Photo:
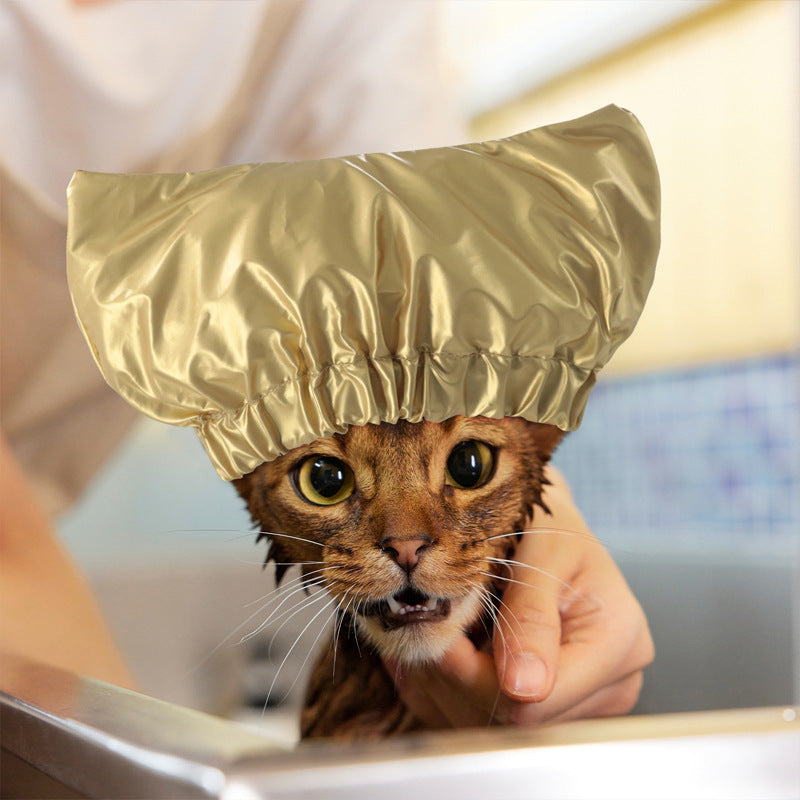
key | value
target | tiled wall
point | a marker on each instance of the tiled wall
(705, 455)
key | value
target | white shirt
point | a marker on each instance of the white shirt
(178, 85)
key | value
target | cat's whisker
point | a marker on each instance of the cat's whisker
(345, 611)
(508, 580)
(592, 602)
(484, 598)
(278, 588)
(305, 590)
(334, 580)
(568, 589)
(260, 563)
(303, 577)
(298, 608)
(275, 592)
(509, 617)
(271, 617)
(492, 611)
(353, 621)
(496, 611)
(334, 569)
(240, 533)
(531, 586)
(262, 608)
(249, 562)
(265, 600)
(505, 579)
(294, 584)
(282, 594)
(510, 562)
(565, 531)
(338, 625)
(233, 633)
(586, 535)
(341, 608)
(311, 649)
(260, 534)
(305, 607)
(328, 604)
(287, 615)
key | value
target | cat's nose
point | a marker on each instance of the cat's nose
(406, 553)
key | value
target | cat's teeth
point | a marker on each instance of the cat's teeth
(395, 606)
(400, 608)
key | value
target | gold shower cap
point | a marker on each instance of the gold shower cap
(272, 304)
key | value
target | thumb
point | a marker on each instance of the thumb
(527, 635)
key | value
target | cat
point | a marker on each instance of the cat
(407, 526)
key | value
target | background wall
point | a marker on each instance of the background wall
(717, 93)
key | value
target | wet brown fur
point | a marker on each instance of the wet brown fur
(400, 492)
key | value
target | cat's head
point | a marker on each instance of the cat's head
(404, 520)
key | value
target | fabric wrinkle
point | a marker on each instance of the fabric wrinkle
(273, 304)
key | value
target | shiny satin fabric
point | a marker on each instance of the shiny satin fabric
(272, 304)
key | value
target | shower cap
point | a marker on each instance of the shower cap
(269, 305)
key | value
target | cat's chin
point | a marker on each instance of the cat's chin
(420, 637)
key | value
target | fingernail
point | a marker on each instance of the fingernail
(526, 675)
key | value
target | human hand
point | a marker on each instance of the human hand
(571, 640)
(47, 610)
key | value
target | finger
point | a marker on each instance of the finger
(604, 643)
(413, 691)
(610, 701)
(462, 690)
(528, 628)
(591, 663)
(472, 697)
(459, 691)
(465, 684)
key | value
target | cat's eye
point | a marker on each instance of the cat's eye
(469, 465)
(324, 480)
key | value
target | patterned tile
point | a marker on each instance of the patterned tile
(708, 452)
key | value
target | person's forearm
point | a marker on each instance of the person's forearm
(47, 610)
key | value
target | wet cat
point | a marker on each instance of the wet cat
(406, 526)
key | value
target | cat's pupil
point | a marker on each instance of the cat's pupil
(327, 476)
(469, 464)
(324, 480)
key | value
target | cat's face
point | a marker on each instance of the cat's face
(405, 519)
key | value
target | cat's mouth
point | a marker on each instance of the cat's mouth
(408, 607)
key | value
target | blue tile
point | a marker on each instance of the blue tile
(711, 451)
